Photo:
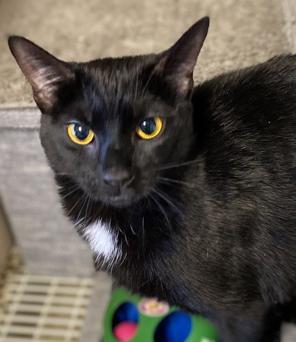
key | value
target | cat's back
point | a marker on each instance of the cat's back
(252, 108)
(246, 128)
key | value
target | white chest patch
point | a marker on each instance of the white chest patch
(103, 241)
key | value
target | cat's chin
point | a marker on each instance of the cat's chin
(124, 199)
(120, 201)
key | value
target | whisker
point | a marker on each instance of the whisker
(132, 230)
(78, 223)
(161, 194)
(74, 189)
(123, 233)
(162, 211)
(74, 206)
(123, 259)
(171, 166)
(172, 180)
(143, 231)
(88, 209)
(80, 213)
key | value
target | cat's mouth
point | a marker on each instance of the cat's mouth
(120, 201)
(125, 198)
(118, 197)
(121, 197)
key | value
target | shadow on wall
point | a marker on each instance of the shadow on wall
(5, 239)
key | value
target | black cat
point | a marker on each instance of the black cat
(185, 193)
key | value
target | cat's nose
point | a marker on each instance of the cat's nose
(117, 177)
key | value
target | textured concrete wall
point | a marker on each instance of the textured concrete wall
(48, 242)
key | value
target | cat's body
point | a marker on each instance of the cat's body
(233, 250)
(210, 222)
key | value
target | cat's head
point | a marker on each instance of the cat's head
(111, 125)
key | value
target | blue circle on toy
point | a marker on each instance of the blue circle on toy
(126, 312)
(175, 327)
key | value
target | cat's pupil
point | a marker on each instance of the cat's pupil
(81, 132)
(148, 126)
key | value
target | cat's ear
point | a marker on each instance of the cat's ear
(45, 73)
(178, 62)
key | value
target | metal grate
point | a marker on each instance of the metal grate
(42, 308)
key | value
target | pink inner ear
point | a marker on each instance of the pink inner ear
(44, 71)
(184, 85)
(45, 82)
(45, 78)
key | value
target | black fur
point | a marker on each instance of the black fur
(208, 221)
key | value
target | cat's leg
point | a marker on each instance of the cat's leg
(275, 317)
(272, 325)
(232, 329)
(267, 329)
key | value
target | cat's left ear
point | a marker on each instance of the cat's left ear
(178, 62)
(45, 73)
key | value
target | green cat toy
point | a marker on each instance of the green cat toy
(130, 318)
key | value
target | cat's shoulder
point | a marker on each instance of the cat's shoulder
(277, 68)
(278, 74)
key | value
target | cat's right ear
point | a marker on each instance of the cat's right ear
(177, 63)
(45, 73)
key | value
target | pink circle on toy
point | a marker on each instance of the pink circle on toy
(125, 331)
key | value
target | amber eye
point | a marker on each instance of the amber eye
(149, 128)
(79, 133)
